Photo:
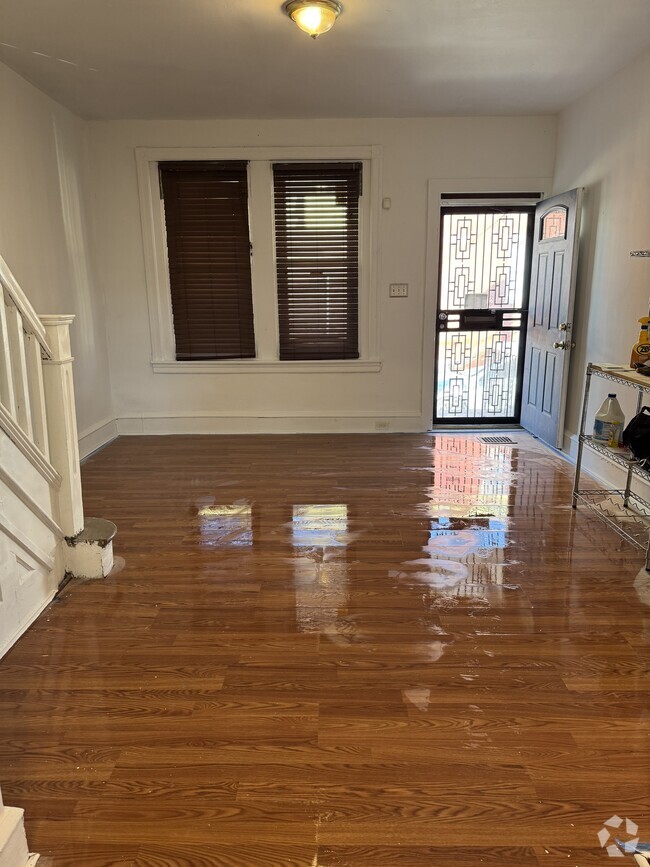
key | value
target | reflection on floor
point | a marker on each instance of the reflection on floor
(335, 650)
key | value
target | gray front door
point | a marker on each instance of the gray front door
(550, 313)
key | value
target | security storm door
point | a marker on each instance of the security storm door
(482, 307)
(549, 340)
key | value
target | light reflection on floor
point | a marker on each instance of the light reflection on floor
(464, 540)
(471, 496)
(319, 534)
(226, 525)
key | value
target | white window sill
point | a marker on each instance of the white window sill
(255, 366)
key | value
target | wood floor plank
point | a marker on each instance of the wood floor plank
(417, 856)
(224, 855)
(334, 651)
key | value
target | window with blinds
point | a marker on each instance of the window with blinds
(317, 256)
(208, 245)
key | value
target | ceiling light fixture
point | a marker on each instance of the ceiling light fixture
(313, 16)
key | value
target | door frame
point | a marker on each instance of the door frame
(436, 187)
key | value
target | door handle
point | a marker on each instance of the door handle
(563, 344)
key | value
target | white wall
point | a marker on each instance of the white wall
(43, 230)
(414, 151)
(604, 145)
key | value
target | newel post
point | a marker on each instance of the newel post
(62, 422)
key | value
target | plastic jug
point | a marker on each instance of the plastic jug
(609, 422)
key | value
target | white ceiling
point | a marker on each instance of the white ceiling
(384, 58)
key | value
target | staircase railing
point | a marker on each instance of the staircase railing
(24, 347)
(37, 407)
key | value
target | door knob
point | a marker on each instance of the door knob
(563, 344)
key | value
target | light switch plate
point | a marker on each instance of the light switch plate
(399, 290)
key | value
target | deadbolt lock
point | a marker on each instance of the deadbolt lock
(565, 326)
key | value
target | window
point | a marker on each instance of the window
(289, 287)
(317, 258)
(208, 245)
(554, 224)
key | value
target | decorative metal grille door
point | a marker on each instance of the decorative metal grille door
(482, 307)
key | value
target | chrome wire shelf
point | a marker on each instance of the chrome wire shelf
(630, 377)
(622, 457)
(624, 511)
(630, 523)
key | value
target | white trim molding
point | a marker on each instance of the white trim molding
(436, 188)
(97, 436)
(253, 366)
(270, 422)
(29, 449)
(163, 356)
(20, 492)
(15, 533)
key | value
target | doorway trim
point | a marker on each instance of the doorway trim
(435, 188)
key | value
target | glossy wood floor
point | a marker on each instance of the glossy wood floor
(335, 650)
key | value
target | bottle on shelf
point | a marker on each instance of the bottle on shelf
(641, 349)
(609, 422)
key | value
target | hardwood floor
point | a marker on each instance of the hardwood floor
(321, 651)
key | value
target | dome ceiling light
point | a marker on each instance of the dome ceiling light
(313, 16)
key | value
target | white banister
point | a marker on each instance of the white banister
(38, 427)
(19, 364)
(7, 393)
(31, 323)
(37, 393)
(62, 422)
(23, 346)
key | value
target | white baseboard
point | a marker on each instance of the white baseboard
(97, 436)
(217, 423)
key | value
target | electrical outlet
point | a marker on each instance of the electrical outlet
(399, 290)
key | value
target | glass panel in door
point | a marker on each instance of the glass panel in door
(482, 301)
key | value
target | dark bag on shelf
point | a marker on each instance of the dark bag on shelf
(636, 436)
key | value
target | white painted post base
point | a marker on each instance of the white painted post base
(89, 560)
(89, 554)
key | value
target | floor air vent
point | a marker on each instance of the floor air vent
(498, 441)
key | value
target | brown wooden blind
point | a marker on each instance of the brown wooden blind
(317, 254)
(208, 244)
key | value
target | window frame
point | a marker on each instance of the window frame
(262, 233)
